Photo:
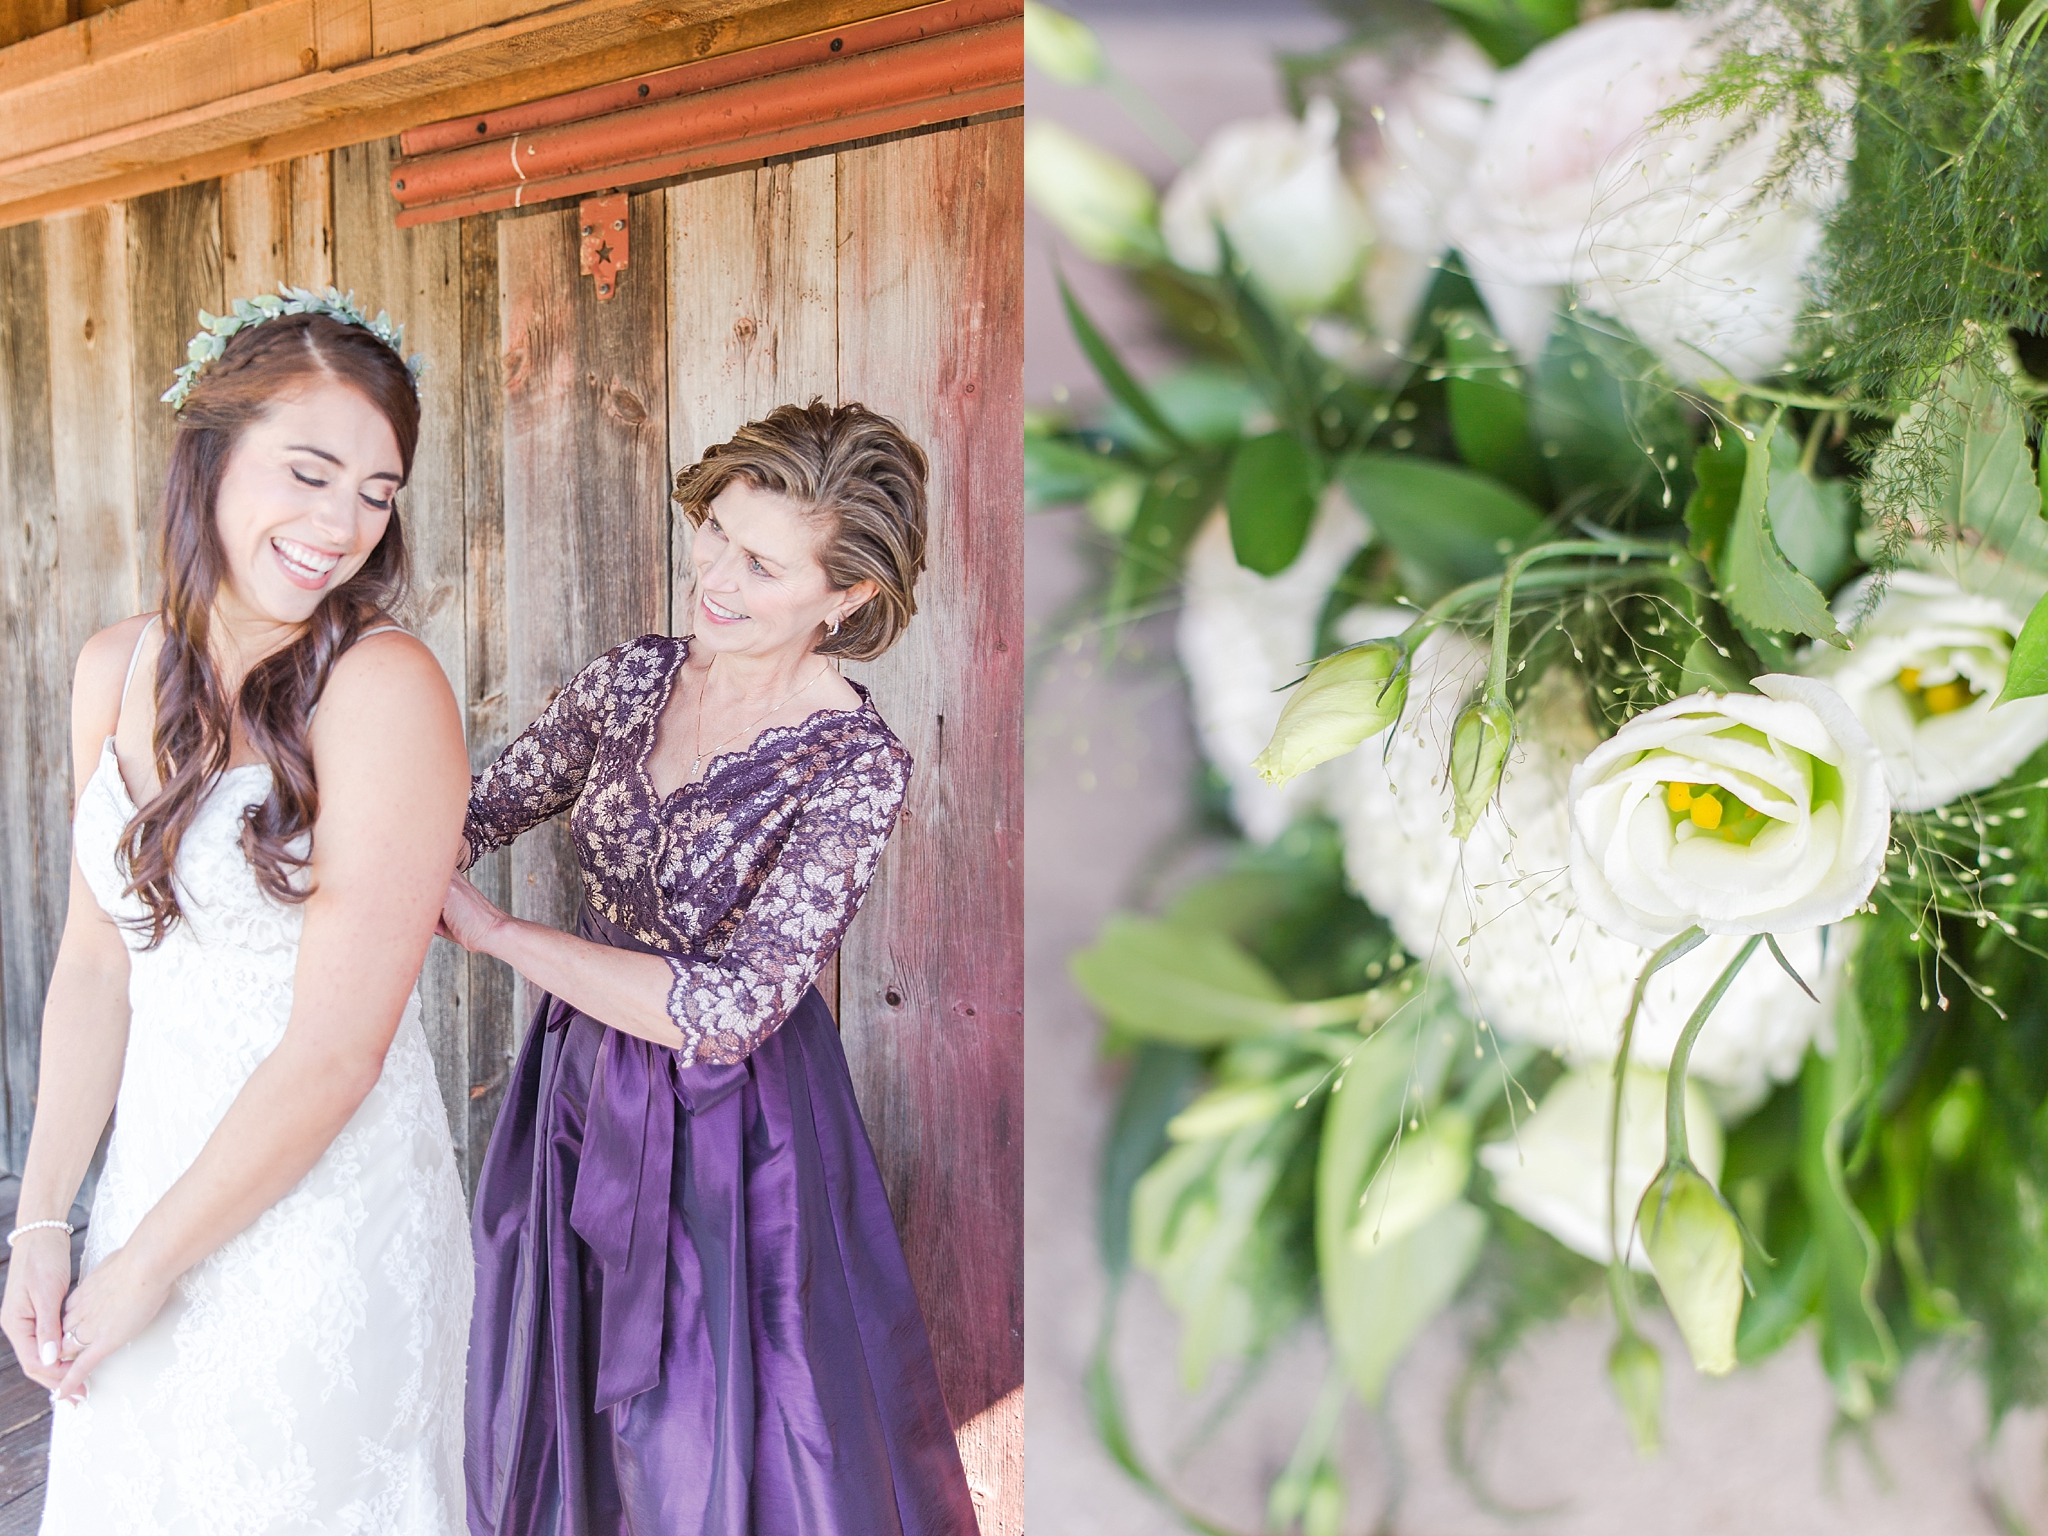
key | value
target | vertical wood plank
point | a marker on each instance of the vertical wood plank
(92, 406)
(277, 226)
(416, 275)
(495, 1024)
(35, 743)
(174, 271)
(586, 484)
(309, 261)
(255, 230)
(931, 333)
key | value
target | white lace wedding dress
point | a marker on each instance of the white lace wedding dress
(307, 1376)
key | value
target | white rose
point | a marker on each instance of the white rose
(1927, 665)
(1555, 1169)
(1499, 909)
(1574, 183)
(1708, 270)
(1103, 204)
(1741, 813)
(1242, 638)
(1277, 189)
(1560, 119)
(1421, 146)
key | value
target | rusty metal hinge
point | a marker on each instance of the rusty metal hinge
(602, 221)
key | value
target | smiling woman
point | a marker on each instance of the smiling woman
(277, 1242)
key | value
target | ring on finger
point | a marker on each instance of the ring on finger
(73, 1339)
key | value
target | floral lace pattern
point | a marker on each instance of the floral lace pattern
(308, 1374)
(746, 878)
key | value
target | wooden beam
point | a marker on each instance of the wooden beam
(80, 131)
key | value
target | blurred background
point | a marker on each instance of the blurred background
(1117, 817)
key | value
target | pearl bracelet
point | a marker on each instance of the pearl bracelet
(33, 1226)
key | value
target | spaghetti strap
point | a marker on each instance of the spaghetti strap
(133, 657)
(384, 629)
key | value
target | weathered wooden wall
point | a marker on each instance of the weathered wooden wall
(541, 533)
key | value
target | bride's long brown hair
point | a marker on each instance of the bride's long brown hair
(194, 716)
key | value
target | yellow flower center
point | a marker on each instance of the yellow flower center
(1937, 698)
(1711, 808)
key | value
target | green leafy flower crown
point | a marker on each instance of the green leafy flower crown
(214, 331)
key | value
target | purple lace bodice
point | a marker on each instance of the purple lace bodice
(745, 878)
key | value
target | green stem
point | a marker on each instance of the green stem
(1735, 390)
(1504, 602)
(1675, 1148)
(1673, 948)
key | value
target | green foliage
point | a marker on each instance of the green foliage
(1607, 426)
(1378, 1295)
(1489, 411)
(1271, 498)
(1510, 29)
(1761, 586)
(1446, 524)
(2026, 674)
(1161, 981)
(1980, 519)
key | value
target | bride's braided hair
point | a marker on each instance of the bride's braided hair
(194, 717)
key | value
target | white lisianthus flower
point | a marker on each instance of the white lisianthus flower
(1242, 638)
(1101, 203)
(1277, 190)
(1422, 142)
(1574, 183)
(1742, 813)
(1554, 1170)
(1927, 665)
(1499, 910)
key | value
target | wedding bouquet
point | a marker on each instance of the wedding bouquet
(1603, 510)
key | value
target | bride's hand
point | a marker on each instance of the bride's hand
(32, 1315)
(111, 1305)
(467, 917)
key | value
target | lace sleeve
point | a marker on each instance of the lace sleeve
(728, 1006)
(541, 773)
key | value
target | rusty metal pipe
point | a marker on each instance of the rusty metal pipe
(894, 118)
(929, 69)
(827, 47)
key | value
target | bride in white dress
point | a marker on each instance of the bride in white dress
(269, 1332)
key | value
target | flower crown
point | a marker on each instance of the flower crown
(214, 331)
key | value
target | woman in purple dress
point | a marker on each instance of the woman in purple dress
(693, 1316)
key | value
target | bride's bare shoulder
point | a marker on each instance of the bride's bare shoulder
(102, 669)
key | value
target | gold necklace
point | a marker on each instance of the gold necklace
(697, 736)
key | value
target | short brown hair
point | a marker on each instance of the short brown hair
(857, 469)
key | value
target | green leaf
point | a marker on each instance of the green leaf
(1856, 1345)
(1376, 1298)
(2026, 675)
(1761, 586)
(1717, 472)
(1448, 525)
(1604, 422)
(1178, 985)
(1060, 472)
(1991, 501)
(1705, 667)
(1176, 502)
(1489, 412)
(1209, 1222)
(1811, 519)
(1271, 497)
(1116, 378)
(1161, 1078)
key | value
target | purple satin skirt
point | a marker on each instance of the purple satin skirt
(693, 1316)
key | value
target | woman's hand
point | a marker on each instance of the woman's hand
(468, 918)
(111, 1305)
(32, 1315)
